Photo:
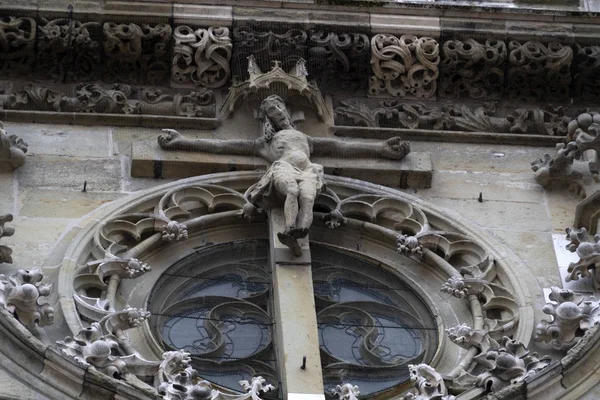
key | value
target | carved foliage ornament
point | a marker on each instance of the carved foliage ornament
(5, 252)
(586, 72)
(454, 117)
(113, 99)
(571, 315)
(538, 70)
(66, 51)
(473, 69)
(428, 384)
(405, 66)
(136, 54)
(201, 56)
(22, 294)
(17, 45)
(587, 248)
(12, 151)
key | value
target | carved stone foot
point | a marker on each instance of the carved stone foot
(291, 242)
(298, 233)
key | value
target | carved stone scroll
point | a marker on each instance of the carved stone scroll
(586, 72)
(201, 56)
(539, 71)
(17, 46)
(333, 57)
(5, 252)
(12, 151)
(114, 99)
(405, 66)
(454, 117)
(571, 316)
(472, 69)
(136, 54)
(286, 46)
(22, 294)
(67, 52)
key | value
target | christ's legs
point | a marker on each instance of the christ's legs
(306, 200)
(288, 187)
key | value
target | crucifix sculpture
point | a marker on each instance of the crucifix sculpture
(291, 179)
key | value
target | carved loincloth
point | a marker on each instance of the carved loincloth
(264, 193)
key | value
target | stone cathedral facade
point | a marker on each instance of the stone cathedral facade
(300, 200)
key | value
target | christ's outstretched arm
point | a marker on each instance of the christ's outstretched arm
(394, 148)
(173, 140)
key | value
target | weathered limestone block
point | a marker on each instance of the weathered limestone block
(285, 45)
(17, 36)
(67, 52)
(453, 117)
(405, 66)
(586, 72)
(136, 54)
(21, 294)
(571, 316)
(334, 57)
(113, 99)
(201, 56)
(539, 71)
(12, 151)
(177, 380)
(472, 69)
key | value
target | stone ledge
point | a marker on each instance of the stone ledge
(149, 161)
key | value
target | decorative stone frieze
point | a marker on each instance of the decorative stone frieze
(104, 346)
(571, 316)
(586, 72)
(177, 380)
(276, 81)
(454, 117)
(18, 38)
(22, 294)
(285, 45)
(539, 71)
(113, 99)
(201, 56)
(67, 52)
(472, 69)
(570, 166)
(12, 151)
(347, 391)
(5, 252)
(405, 66)
(587, 248)
(428, 384)
(334, 56)
(136, 54)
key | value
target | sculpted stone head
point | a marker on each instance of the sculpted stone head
(275, 110)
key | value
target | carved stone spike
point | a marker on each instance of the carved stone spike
(266, 46)
(17, 36)
(465, 337)
(12, 151)
(571, 315)
(67, 52)
(405, 66)
(409, 245)
(5, 252)
(509, 363)
(136, 54)
(586, 72)
(472, 69)
(114, 99)
(334, 57)
(428, 384)
(570, 166)
(539, 71)
(346, 391)
(22, 294)
(201, 56)
(587, 248)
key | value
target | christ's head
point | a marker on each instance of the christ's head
(276, 111)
